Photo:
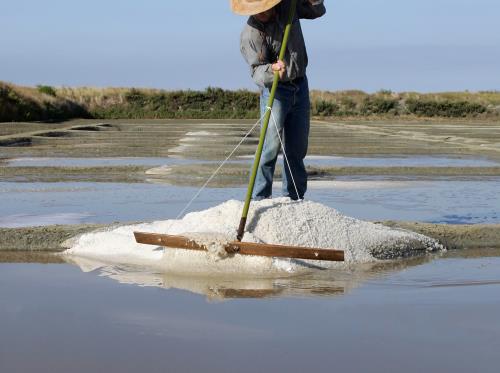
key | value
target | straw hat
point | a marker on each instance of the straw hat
(252, 7)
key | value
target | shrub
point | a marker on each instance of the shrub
(386, 92)
(325, 108)
(445, 108)
(348, 105)
(135, 96)
(379, 105)
(46, 89)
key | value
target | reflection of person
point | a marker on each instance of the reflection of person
(260, 45)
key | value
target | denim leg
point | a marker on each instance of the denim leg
(296, 143)
(264, 179)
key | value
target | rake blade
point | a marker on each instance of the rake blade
(242, 248)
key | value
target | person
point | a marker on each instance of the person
(260, 44)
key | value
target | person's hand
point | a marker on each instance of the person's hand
(280, 67)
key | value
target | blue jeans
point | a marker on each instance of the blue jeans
(291, 112)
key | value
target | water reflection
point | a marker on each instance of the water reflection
(317, 283)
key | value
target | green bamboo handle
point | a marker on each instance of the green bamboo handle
(263, 131)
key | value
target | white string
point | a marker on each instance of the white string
(220, 167)
(291, 174)
(284, 153)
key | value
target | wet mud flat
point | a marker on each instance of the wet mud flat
(476, 144)
(205, 139)
(471, 148)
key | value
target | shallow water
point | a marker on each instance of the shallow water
(441, 201)
(409, 161)
(316, 160)
(439, 315)
(100, 162)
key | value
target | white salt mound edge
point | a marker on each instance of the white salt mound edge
(276, 221)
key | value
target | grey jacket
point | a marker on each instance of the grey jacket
(261, 42)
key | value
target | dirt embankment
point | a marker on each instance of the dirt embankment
(456, 236)
(48, 238)
(111, 174)
(18, 103)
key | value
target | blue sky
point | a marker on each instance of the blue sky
(403, 45)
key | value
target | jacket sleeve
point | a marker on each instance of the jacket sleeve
(310, 9)
(253, 49)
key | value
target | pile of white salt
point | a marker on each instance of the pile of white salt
(276, 221)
